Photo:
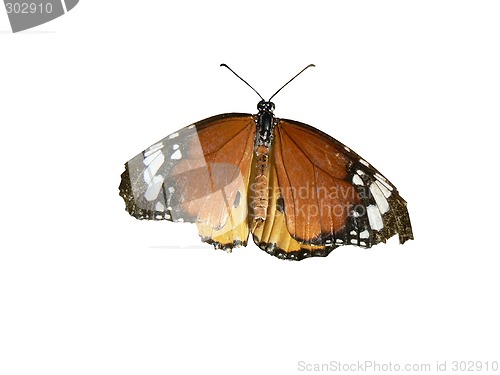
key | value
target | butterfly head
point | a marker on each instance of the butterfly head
(264, 106)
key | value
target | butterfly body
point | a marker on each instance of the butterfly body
(265, 122)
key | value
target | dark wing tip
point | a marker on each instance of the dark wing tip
(131, 207)
(401, 219)
(126, 192)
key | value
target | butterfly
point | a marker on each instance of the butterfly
(300, 192)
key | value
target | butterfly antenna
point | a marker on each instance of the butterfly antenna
(244, 80)
(295, 76)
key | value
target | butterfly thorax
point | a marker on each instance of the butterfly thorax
(265, 124)
(259, 194)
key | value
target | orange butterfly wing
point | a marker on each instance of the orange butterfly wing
(199, 174)
(323, 195)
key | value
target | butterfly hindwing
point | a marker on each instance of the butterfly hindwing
(199, 174)
(273, 236)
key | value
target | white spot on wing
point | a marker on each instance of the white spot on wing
(148, 159)
(173, 135)
(154, 188)
(382, 203)
(356, 180)
(383, 188)
(154, 162)
(171, 189)
(364, 234)
(153, 148)
(176, 155)
(347, 149)
(379, 177)
(175, 147)
(383, 182)
(159, 206)
(364, 162)
(374, 217)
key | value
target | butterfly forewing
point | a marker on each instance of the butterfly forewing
(199, 174)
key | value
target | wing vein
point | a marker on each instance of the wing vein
(228, 141)
(315, 169)
(308, 158)
(288, 178)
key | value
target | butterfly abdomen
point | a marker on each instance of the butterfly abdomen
(260, 188)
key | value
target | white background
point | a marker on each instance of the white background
(414, 87)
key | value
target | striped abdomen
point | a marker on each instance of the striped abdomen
(260, 186)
